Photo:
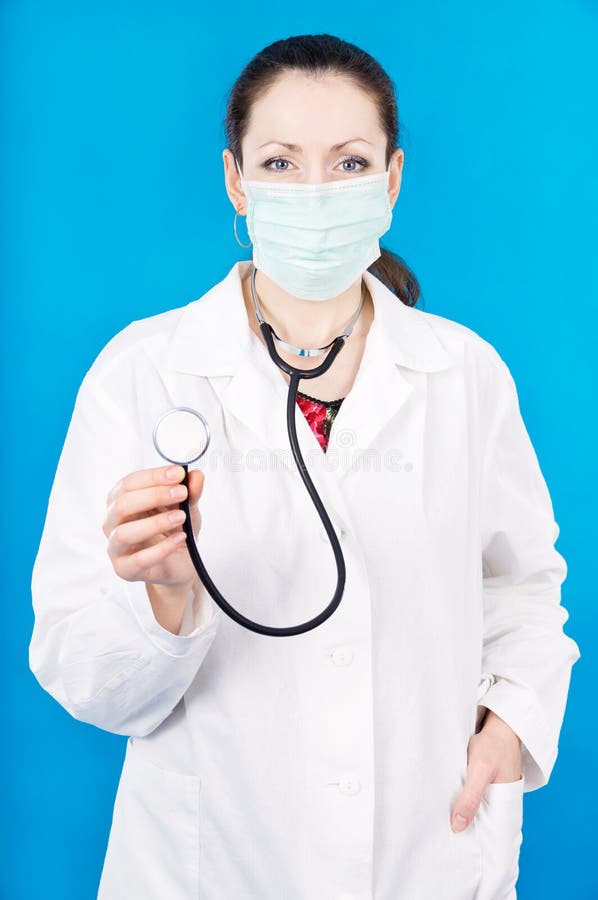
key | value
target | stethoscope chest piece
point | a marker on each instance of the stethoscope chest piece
(181, 435)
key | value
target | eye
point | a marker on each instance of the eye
(355, 159)
(266, 165)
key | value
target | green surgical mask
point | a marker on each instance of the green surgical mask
(315, 240)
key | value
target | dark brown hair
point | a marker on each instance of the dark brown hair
(320, 54)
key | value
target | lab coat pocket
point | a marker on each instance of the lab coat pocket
(498, 825)
(154, 842)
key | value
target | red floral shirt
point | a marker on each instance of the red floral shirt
(320, 415)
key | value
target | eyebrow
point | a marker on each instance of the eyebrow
(297, 148)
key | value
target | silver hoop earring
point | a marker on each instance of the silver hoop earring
(237, 236)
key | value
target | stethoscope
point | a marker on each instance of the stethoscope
(182, 436)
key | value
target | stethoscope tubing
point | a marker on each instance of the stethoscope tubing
(295, 376)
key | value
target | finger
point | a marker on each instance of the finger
(138, 531)
(135, 566)
(195, 480)
(143, 478)
(134, 503)
(476, 781)
(160, 475)
(195, 486)
(195, 519)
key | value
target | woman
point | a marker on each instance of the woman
(383, 754)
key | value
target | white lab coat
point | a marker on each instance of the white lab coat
(322, 766)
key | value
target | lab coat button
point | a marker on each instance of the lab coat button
(341, 656)
(349, 785)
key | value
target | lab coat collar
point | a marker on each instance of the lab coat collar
(213, 338)
(213, 333)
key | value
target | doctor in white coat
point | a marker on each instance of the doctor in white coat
(385, 753)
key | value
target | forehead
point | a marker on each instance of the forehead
(301, 109)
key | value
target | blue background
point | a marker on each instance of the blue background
(115, 209)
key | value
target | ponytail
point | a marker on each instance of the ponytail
(397, 276)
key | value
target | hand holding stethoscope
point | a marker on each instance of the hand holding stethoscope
(143, 526)
(146, 510)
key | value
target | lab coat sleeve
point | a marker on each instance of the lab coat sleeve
(96, 646)
(524, 645)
